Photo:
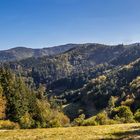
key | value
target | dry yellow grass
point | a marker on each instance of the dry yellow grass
(119, 131)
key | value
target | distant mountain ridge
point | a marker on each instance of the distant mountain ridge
(19, 53)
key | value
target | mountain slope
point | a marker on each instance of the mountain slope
(122, 82)
(80, 59)
(20, 53)
(84, 77)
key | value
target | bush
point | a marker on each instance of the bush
(137, 115)
(64, 120)
(89, 122)
(79, 121)
(26, 121)
(58, 119)
(122, 114)
(101, 118)
(54, 123)
(111, 121)
(37, 124)
(6, 124)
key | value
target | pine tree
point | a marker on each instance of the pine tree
(2, 104)
(16, 93)
(20, 99)
(7, 80)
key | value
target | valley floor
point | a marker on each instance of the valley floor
(119, 131)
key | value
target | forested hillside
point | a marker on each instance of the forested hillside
(78, 64)
(85, 81)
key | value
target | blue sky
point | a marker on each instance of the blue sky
(44, 23)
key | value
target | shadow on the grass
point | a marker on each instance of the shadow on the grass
(133, 133)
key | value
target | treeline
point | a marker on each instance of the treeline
(110, 115)
(25, 107)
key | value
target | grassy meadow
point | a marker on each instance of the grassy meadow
(118, 131)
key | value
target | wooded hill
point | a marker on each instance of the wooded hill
(84, 78)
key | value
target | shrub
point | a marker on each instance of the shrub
(64, 120)
(37, 124)
(26, 121)
(111, 121)
(54, 123)
(58, 119)
(122, 114)
(79, 121)
(89, 122)
(6, 124)
(101, 118)
(137, 115)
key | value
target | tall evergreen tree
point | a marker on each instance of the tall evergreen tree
(2, 104)
(7, 80)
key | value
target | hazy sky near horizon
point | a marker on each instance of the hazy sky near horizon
(44, 23)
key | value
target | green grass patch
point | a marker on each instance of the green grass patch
(117, 131)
